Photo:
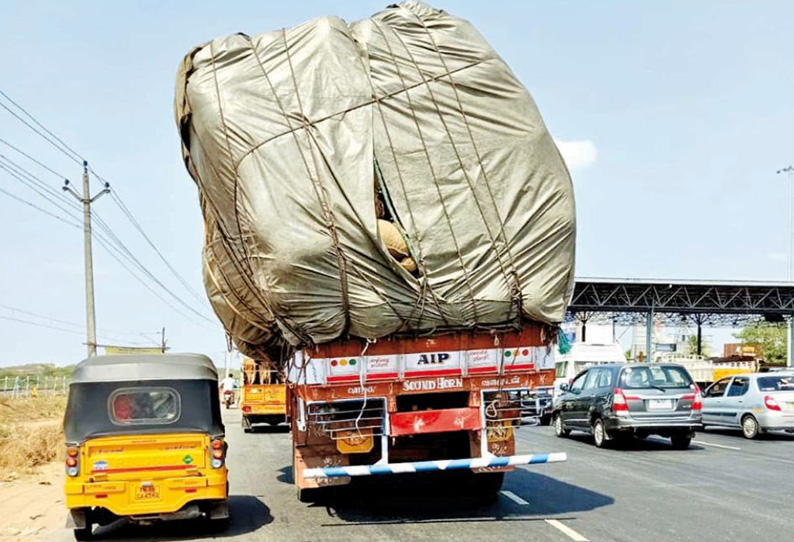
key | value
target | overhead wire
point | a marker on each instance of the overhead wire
(32, 159)
(40, 125)
(71, 155)
(104, 331)
(77, 157)
(34, 206)
(117, 253)
(59, 328)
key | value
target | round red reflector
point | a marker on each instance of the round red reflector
(333, 363)
(525, 352)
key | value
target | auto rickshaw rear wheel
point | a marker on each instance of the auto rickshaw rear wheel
(84, 533)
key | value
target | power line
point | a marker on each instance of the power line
(126, 253)
(128, 214)
(58, 139)
(33, 205)
(29, 157)
(52, 199)
(70, 323)
(106, 229)
(26, 123)
(58, 328)
(65, 149)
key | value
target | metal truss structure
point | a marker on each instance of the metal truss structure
(632, 301)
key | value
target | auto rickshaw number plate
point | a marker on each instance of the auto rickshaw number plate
(148, 493)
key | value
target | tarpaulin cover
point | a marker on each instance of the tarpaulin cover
(289, 136)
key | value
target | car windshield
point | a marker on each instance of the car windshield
(776, 383)
(662, 376)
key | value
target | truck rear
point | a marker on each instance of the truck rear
(412, 405)
(263, 397)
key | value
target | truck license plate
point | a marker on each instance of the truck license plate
(660, 404)
(148, 493)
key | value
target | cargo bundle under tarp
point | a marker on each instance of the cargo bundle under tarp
(391, 175)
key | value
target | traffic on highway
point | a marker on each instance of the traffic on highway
(382, 322)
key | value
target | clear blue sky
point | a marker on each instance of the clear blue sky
(674, 116)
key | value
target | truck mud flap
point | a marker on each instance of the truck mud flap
(432, 466)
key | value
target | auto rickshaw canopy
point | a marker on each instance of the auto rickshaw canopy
(189, 382)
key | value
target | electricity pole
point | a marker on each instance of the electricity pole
(87, 200)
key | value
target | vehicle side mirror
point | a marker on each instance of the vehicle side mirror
(565, 387)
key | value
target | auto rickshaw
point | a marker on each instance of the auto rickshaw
(144, 441)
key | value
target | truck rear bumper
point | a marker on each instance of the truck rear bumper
(433, 466)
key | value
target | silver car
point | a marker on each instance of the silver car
(753, 403)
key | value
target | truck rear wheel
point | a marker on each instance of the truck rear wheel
(487, 484)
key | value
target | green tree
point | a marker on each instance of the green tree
(768, 339)
(692, 346)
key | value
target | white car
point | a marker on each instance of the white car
(754, 403)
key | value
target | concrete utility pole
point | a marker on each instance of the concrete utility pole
(90, 309)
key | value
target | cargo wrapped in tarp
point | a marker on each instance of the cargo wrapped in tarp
(316, 148)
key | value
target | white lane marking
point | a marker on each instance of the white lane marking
(513, 497)
(717, 445)
(567, 531)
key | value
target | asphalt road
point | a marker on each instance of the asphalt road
(724, 488)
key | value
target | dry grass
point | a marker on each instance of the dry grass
(30, 434)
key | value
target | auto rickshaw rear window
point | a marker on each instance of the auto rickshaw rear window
(132, 406)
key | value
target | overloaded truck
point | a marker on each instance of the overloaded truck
(389, 224)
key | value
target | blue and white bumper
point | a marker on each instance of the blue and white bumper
(434, 466)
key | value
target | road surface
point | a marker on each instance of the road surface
(723, 488)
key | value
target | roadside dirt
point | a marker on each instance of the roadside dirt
(32, 505)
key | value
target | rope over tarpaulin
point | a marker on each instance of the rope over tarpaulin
(280, 132)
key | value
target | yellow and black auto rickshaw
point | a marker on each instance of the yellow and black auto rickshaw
(144, 441)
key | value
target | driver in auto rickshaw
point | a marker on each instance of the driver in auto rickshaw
(144, 441)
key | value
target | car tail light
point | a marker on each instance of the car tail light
(696, 398)
(619, 403)
(72, 461)
(770, 403)
(218, 453)
(697, 404)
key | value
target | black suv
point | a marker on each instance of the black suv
(627, 400)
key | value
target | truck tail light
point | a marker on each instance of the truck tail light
(247, 409)
(218, 453)
(770, 403)
(72, 461)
